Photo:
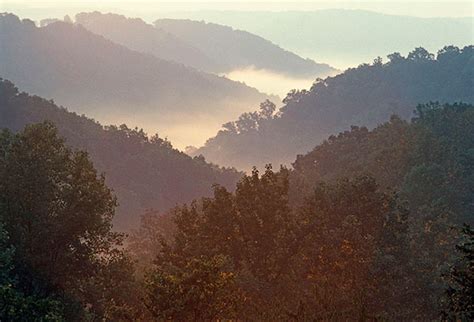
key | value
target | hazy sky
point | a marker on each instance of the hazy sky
(38, 9)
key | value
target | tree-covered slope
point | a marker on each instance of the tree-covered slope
(114, 84)
(363, 96)
(143, 172)
(364, 226)
(429, 160)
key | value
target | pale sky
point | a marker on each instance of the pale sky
(147, 9)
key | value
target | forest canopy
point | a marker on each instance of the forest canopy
(364, 96)
(370, 217)
(364, 226)
(60, 258)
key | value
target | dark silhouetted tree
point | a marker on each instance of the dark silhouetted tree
(57, 212)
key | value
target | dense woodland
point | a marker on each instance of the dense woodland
(370, 220)
(144, 172)
(369, 237)
(363, 96)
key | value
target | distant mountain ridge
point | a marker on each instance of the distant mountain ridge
(208, 47)
(363, 96)
(343, 37)
(236, 49)
(138, 35)
(114, 84)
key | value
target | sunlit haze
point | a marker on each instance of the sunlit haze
(38, 9)
(236, 160)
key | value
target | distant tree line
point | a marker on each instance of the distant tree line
(364, 96)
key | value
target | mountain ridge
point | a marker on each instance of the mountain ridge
(144, 172)
(363, 96)
(334, 35)
(91, 74)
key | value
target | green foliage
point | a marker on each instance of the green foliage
(428, 160)
(331, 240)
(143, 172)
(459, 304)
(58, 212)
(244, 238)
(203, 289)
(353, 240)
(144, 244)
(364, 96)
(256, 258)
(14, 304)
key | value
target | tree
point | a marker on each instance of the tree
(430, 162)
(203, 289)
(351, 255)
(247, 122)
(67, 19)
(420, 54)
(235, 247)
(294, 96)
(57, 212)
(144, 244)
(378, 61)
(331, 239)
(14, 304)
(230, 127)
(448, 53)
(267, 109)
(244, 255)
(143, 172)
(459, 304)
(395, 58)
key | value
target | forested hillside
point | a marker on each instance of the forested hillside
(352, 200)
(364, 226)
(429, 160)
(363, 96)
(143, 172)
(359, 244)
(114, 84)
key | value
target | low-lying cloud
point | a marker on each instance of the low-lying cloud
(268, 81)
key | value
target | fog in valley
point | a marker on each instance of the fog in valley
(236, 160)
(270, 82)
